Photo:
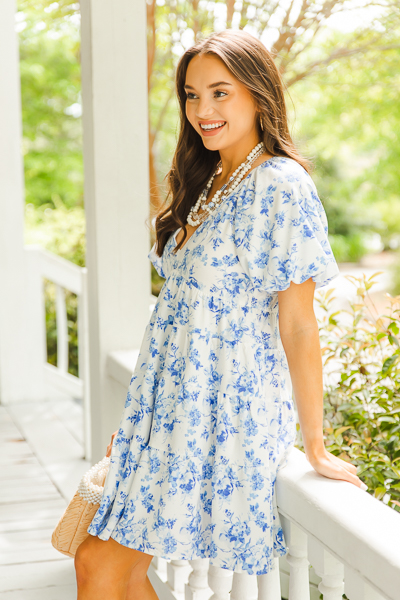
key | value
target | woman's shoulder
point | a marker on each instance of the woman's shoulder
(275, 182)
(281, 170)
(280, 228)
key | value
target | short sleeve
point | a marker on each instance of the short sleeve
(281, 230)
(156, 260)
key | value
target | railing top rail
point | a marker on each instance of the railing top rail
(361, 531)
(57, 269)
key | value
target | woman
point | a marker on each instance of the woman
(209, 418)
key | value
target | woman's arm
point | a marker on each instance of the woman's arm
(300, 338)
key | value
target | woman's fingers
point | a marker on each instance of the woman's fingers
(109, 447)
(351, 478)
(347, 465)
(334, 467)
(342, 463)
(352, 469)
(330, 468)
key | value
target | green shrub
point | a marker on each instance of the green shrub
(60, 230)
(395, 273)
(362, 405)
(348, 248)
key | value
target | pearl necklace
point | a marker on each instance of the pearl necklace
(194, 218)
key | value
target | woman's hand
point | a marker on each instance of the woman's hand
(332, 466)
(109, 447)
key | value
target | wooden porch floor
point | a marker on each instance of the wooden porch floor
(41, 464)
(40, 467)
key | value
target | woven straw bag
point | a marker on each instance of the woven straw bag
(72, 527)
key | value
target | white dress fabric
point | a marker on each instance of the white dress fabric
(209, 417)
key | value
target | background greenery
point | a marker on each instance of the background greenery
(342, 97)
(360, 351)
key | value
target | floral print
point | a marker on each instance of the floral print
(209, 417)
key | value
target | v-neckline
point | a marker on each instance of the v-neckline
(206, 220)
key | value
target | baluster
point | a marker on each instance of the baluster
(62, 329)
(329, 569)
(197, 586)
(244, 587)
(83, 358)
(178, 572)
(299, 582)
(356, 588)
(269, 585)
(160, 565)
(220, 582)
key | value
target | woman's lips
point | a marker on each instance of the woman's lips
(214, 131)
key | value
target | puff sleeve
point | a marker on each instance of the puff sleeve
(156, 260)
(281, 230)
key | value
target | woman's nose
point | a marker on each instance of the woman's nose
(204, 110)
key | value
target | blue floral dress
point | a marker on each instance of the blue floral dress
(209, 417)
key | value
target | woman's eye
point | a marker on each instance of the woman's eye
(188, 94)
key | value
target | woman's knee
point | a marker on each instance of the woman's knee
(97, 559)
(85, 562)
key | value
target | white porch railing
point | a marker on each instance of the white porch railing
(351, 540)
(66, 276)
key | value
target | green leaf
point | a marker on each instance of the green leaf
(388, 363)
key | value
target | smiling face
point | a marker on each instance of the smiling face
(215, 97)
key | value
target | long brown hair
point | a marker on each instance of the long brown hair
(193, 164)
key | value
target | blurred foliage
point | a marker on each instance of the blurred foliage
(71, 301)
(344, 86)
(299, 35)
(156, 281)
(349, 121)
(360, 352)
(49, 290)
(348, 248)
(51, 104)
(395, 273)
(60, 230)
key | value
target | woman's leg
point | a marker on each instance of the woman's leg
(139, 587)
(107, 570)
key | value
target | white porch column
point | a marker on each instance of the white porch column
(115, 126)
(21, 344)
